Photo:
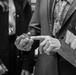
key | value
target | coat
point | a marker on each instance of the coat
(23, 16)
(42, 18)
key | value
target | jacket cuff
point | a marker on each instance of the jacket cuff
(0, 61)
(34, 31)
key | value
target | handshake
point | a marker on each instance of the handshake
(47, 44)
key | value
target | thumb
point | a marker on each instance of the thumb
(23, 72)
(56, 49)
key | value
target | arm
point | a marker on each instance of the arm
(29, 62)
(65, 47)
(34, 25)
(34, 29)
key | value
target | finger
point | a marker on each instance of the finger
(18, 40)
(2, 71)
(20, 47)
(36, 51)
(46, 46)
(26, 45)
(22, 73)
(42, 44)
(1, 3)
(29, 43)
(29, 34)
(38, 37)
(56, 49)
(21, 36)
(27, 49)
(24, 41)
(49, 50)
(4, 67)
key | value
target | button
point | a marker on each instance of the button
(17, 15)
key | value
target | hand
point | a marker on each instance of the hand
(3, 69)
(25, 72)
(2, 4)
(24, 42)
(48, 44)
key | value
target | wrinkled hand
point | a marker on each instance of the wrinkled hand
(48, 44)
(25, 72)
(3, 69)
(2, 5)
(24, 42)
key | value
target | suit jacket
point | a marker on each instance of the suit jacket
(41, 19)
(23, 16)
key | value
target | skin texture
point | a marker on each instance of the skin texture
(25, 72)
(3, 69)
(47, 45)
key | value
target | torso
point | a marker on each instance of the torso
(60, 11)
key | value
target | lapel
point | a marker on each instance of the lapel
(51, 4)
(18, 7)
(24, 3)
(70, 11)
(18, 4)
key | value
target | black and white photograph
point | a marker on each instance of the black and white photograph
(37, 37)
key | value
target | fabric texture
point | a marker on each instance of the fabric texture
(12, 18)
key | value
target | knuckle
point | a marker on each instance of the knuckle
(48, 42)
(48, 36)
(44, 48)
(41, 45)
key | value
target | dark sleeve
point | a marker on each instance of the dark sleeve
(29, 62)
(34, 28)
(27, 13)
(34, 25)
(0, 61)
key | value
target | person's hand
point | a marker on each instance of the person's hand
(48, 44)
(3, 69)
(25, 72)
(24, 42)
(2, 5)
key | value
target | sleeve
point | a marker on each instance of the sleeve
(29, 62)
(0, 61)
(34, 26)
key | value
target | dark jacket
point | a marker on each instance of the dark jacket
(23, 16)
(40, 22)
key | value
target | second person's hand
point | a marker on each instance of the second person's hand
(24, 42)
